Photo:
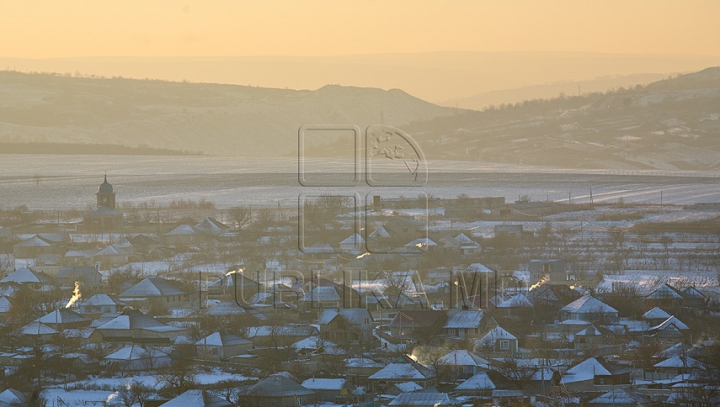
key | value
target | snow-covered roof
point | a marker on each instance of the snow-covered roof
(421, 399)
(589, 331)
(671, 321)
(324, 384)
(516, 301)
(421, 242)
(184, 230)
(408, 387)
(62, 316)
(395, 371)
(37, 328)
(134, 352)
(197, 398)
(12, 397)
(212, 226)
(218, 339)
(379, 232)
(355, 316)
(362, 362)
(225, 308)
(656, 313)
(99, 300)
(462, 358)
(109, 251)
(588, 304)
(620, 397)
(479, 268)
(315, 343)
(462, 238)
(152, 287)
(665, 292)
(286, 330)
(677, 362)
(5, 305)
(279, 386)
(480, 381)
(496, 334)
(465, 319)
(354, 239)
(22, 276)
(586, 370)
(322, 294)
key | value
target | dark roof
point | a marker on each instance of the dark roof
(276, 386)
(418, 319)
(152, 287)
(557, 265)
(78, 272)
(105, 187)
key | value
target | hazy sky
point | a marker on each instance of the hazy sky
(51, 28)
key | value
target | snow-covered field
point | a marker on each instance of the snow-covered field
(71, 181)
(648, 280)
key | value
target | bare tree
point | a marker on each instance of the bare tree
(240, 216)
(519, 373)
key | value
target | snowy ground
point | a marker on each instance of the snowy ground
(648, 280)
(267, 181)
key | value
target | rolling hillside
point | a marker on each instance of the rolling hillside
(211, 118)
(673, 124)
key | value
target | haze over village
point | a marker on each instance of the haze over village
(359, 204)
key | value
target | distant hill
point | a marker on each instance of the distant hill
(672, 124)
(551, 90)
(210, 118)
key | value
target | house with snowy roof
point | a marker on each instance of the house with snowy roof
(221, 346)
(461, 364)
(135, 327)
(35, 280)
(99, 304)
(621, 397)
(38, 332)
(64, 318)
(423, 399)
(5, 306)
(346, 324)
(655, 316)
(212, 226)
(276, 391)
(515, 308)
(693, 298)
(35, 246)
(135, 358)
(12, 397)
(353, 243)
(484, 384)
(197, 398)
(154, 288)
(588, 308)
(410, 323)
(87, 276)
(185, 235)
(675, 365)
(671, 330)
(111, 256)
(275, 336)
(594, 372)
(593, 337)
(554, 269)
(665, 297)
(497, 341)
(468, 323)
(395, 373)
(328, 389)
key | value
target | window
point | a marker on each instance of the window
(504, 344)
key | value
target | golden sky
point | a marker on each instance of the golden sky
(70, 28)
